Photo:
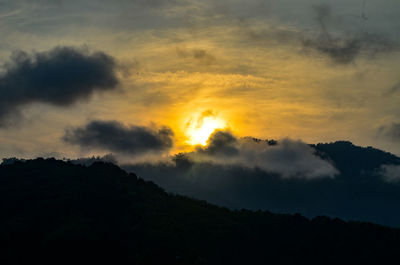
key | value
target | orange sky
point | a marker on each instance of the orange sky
(247, 64)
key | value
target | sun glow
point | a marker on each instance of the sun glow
(199, 131)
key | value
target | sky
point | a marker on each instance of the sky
(147, 79)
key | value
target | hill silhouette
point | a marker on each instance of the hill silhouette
(353, 161)
(360, 191)
(55, 212)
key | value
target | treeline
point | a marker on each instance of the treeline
(55, 212)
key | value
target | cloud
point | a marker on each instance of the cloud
(330, 35)
(200, 120)
(61, 76)
(220, 143)
(115, 137)
(345, 48)
(287, 158)
(391, 132)
(201, 56)
(390, 173)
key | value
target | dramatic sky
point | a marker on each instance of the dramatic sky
(145, 78)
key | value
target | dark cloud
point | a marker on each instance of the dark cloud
(116, 137)
(220, 143)
(346, 47)
(340, 50)
(391, 132)
(61, 77)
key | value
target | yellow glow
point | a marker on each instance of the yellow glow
(200, 130)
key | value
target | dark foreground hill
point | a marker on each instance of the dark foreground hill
(53, 212)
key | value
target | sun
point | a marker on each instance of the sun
(199, 130)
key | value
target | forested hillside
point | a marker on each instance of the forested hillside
(54, 212)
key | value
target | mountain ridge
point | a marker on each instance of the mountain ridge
(57, 212)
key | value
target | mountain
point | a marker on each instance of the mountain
(361, 190)
(356, 161)
(56, 212)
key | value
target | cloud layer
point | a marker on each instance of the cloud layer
(61, 77)
(288, 158)
(116, 137)
(364, 189)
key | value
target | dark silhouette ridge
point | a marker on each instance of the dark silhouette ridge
(353, 160)
(55, 212)
(360, 191)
